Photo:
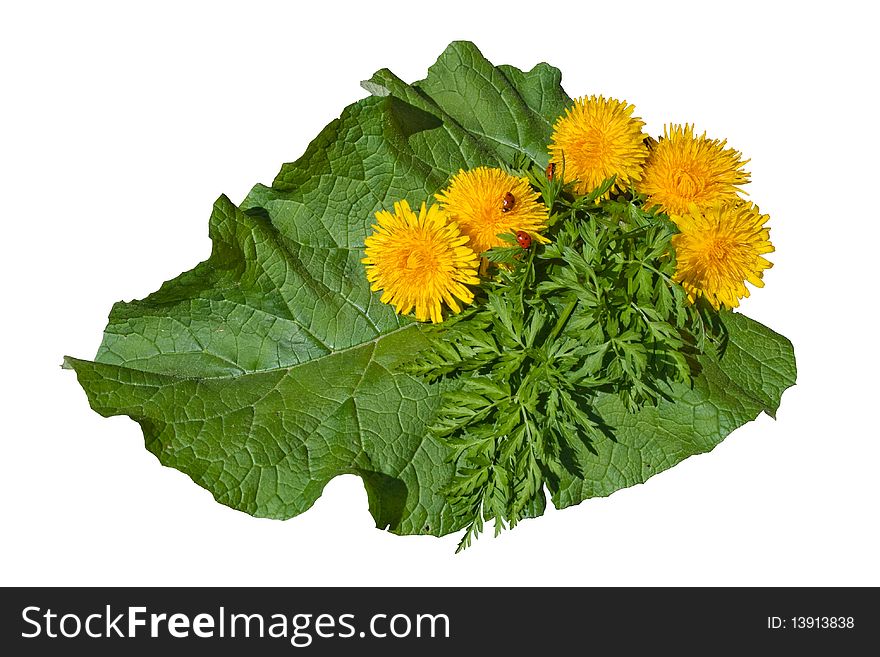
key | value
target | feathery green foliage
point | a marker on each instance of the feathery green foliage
(595, 311)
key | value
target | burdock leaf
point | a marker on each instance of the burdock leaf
(271, 368)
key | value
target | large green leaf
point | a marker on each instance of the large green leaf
(269, 369)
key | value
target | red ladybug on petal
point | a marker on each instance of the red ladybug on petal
(523, 239)
(507, 202)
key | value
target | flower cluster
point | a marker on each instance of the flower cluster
(695, 180)
(419, 261)
(597, 145)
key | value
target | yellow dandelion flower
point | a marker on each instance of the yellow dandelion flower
(487, 202)
(597, 139)
(418, 261)
(684, 169)
(720, 248)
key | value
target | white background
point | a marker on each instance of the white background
(121, 125)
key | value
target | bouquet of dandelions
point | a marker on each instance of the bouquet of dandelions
(605, 273)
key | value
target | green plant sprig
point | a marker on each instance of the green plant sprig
(593, 312)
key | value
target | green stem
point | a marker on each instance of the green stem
(641, 312)
(649, 267)
(563, 319)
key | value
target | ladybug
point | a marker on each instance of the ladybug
(551, 171)
(523, 239)
(508, 202)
